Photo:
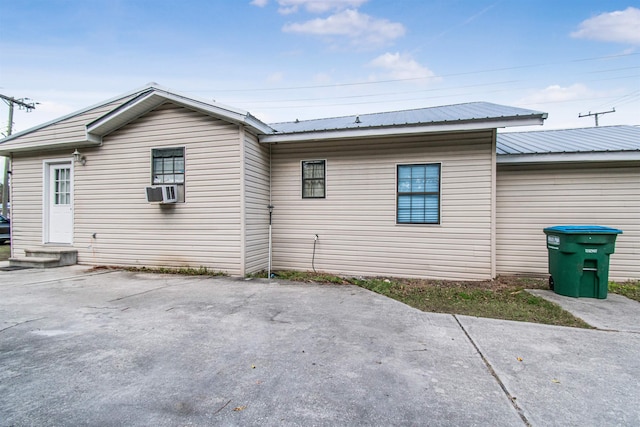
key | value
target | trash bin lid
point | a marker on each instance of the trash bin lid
(582, 229)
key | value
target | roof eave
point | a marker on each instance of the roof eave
(613, 156)
(101, 126)
(129, 112)
(58, 145)
(405, 129)
(142, 89)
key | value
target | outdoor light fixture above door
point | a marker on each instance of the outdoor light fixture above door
(78, 157)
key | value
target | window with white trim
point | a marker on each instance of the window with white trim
(418, 194)
(313, 179)
(62, 187)
(168, 166)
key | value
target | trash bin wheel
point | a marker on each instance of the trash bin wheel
(551, 283)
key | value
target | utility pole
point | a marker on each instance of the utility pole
(22, 104)
(613, 110)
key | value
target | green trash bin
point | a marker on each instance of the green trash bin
(579, 259)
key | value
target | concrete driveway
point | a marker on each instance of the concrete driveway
(110, 348)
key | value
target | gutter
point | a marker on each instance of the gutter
(539, 158)
(58, 145)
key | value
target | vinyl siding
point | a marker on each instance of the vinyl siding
(530, 198)
(356, 222)
(26, 200)
(256, 182)
(110, 198)
(70, 129)
(202, 231)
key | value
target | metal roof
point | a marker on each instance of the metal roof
(459, 113)
(584, 140)
(460, 117)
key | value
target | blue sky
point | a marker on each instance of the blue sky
(299, 59)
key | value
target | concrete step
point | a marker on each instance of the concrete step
(68, 256)
(46, 257)
(34, 262)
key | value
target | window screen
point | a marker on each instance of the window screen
(418, 194)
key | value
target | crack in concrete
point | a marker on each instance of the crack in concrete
(139, 293)
(75, 277)
(22, 323)
(494, 374)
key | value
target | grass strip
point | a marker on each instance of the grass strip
(503, 298)
(5, 251)
(630, 289)
(183, 271)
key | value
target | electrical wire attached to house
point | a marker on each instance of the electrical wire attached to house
(313, 257)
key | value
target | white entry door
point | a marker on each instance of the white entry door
(58, 203)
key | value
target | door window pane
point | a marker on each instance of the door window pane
(62, 186)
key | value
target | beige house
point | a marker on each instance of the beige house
(572, 176)
(155, 178)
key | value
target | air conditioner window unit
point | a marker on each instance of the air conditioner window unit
(162, 194)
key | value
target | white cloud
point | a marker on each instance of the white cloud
(401, 67)
(565, 103)
(621, 26)
(556, 93)
(260, 3)
(316, 6)
(360, 28)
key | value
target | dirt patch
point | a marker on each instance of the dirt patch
(498, 284)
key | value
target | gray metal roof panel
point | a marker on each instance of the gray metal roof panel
(582, 140)
(444, 114)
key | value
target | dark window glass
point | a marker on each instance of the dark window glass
(167, 166)
(313, 179)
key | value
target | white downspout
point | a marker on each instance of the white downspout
(269, 268)
(270, 207)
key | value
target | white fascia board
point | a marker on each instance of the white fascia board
(77, 113)
(235, 116)
(260, 127)
(58, 145)
(120, 116)
(617, 156)
(126, 114)
(406, 130)
(224, 112)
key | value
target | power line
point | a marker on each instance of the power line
(272, 103)
(624, 99)
(22, 104)
(414, 92)
(431, 77)
(372, 95)
(628, 101)
(613, 110)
